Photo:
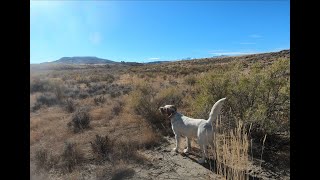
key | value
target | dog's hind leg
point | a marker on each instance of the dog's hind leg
(203, 149)
(188, 145)
(212, 149)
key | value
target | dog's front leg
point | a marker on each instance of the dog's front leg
(188, 145)
(177, 136)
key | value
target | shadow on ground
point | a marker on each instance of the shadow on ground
(123, 174)
(211, 164)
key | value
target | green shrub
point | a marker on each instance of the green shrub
(190, 80)
(102, 147)
(99, 100)
(41, 158)
(80, 120)
(69, 105)
(117, 108)
(108, 77)
(40, 85)
(261, 96)
(58, 90)
(71, 156)
(45, 160)
(47, 99)
(146, 102)
(114, 94)
(83, 95)
(84, 80)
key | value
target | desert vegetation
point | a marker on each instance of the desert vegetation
(101, 118)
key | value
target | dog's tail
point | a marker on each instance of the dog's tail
(215, 110)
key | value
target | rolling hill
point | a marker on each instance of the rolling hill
(83, 60)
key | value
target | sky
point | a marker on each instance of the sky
(145, 31)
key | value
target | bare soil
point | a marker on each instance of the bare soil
(161, 163)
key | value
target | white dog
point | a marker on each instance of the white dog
(193, 128)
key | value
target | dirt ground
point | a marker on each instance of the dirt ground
(161, 163)
(169, 165)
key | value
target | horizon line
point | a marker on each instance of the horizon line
(179, 59)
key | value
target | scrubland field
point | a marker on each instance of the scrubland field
(103, 122)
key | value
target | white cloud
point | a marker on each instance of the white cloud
(245, 43)
(231, 53)
(95, 38)
(255, 36)
(154, 58)
(279, 49)
(218, 50)
(45, 5)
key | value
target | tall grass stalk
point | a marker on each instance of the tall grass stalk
(264, 139)
(231, 151)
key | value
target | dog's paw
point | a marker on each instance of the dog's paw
(175, 150)
(186, 150)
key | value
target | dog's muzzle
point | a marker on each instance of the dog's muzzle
(166, 112)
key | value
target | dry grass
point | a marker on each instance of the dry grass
(118, 170)
(49, 130)
(231, 152)
(48, 126)
(100, 112)
(116, 116)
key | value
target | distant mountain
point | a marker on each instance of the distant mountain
(218, 56)
(96, 60)
(83, 60)
(188, 58)
(157, 62)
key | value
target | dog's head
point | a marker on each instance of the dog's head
(168, 110)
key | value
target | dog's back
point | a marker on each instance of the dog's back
(186, 126)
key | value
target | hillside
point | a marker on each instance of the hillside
(206, 64)
(102, 121)
(83, 60)
(157, 62)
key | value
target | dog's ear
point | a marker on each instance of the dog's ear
(161, 110)
(173, 109)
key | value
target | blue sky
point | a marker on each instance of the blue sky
(144, 31)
